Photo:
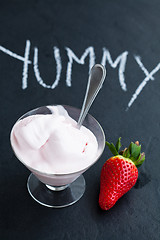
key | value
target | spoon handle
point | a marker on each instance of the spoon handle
(95, 82)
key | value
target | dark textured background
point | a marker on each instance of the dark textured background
(120, 26)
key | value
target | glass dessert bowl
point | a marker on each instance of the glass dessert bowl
(60, 189)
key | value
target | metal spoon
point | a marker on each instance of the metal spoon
(95, 81)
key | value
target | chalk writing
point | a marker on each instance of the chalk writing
(58, 67)
(71, 56)
(119, 62)
(149, 76)
(23, 59)
(25, 66)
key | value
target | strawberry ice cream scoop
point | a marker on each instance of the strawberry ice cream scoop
(52, 143)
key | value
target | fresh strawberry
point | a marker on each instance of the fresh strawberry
(119, 173)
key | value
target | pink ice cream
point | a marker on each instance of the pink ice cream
(52, 144)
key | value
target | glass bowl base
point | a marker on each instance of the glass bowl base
(56, 197)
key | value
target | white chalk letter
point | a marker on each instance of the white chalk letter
(138, 60)
(24, 59)
(89, 51)
(149, 76)
(58, 68)
(25, 65)
(121, 60)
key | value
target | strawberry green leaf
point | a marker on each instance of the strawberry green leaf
(112, 148)
(140, 160)
(118, 144)
(135, 151)
(126, 153)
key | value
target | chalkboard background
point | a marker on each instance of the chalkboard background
(129, 29)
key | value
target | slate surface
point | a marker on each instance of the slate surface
(130, 27)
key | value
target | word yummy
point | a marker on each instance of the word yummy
(120, 62)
